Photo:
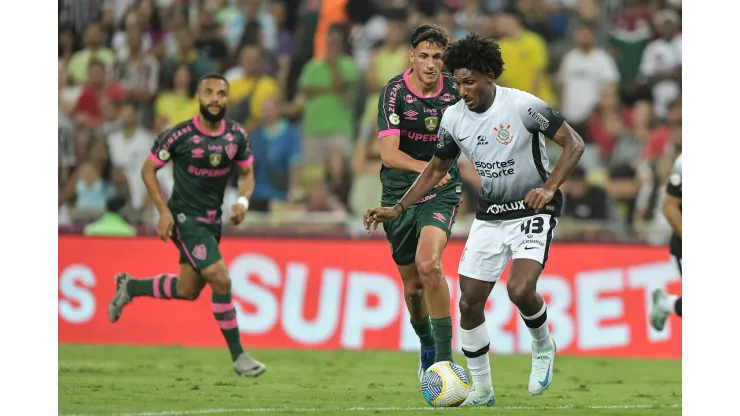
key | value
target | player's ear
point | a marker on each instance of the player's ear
(490, 77)
(411, 55)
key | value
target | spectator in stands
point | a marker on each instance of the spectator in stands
(209, 41)
(284, 47)
(467, 18)
(112, 223)
(387, 61)
(629, 34)
(67, 94)
(178, 104)
(584, 201)
(276, 148)
(585, 72)
(138, 74)
(67, 43)
(320, 199)
(88, 111)
(535, 14)
(129, 148)
(339, 177)
(660, 68)
(251, 88)
(250, 26)
(151, 22)
(666, 138)
(120, 41)
(200, 64)
(93, 51)
(328, 84)
(526, 57)
(366, 187)
(608, 121)
(93, 182)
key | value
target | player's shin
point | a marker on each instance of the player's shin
(475, 345)
(437, 294)
(162, 286)
(420, 319)
(537, 325)
(225, 314)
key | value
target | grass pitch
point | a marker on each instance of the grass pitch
(163, 381)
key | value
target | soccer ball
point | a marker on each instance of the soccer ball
(445, 384)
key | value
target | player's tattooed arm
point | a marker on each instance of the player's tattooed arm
(246, 181)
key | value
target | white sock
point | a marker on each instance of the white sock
(476, 341)
(540, 333)
(668, 303)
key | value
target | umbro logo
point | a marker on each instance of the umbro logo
(410, 115)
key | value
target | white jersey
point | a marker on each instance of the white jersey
(507, 145)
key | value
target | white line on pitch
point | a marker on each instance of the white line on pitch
(373, 409)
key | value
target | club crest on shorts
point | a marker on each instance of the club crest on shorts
(215, 159)
(200, 252)
(181, 218)
(394, 119)
(231, 150)
(503, 135)
(431, 123)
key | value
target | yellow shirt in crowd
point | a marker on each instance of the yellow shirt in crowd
(176, 108)
(267, 87)
(524, 57)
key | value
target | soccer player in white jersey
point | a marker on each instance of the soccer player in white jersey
(503, 131)
(663, 303)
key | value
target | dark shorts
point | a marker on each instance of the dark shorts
(403, 232)
(197, 241)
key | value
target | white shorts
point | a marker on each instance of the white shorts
(491, 244)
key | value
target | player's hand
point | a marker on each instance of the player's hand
(237, 214)
(165, 224)
(538, 198)
(375, 216)
(444, 180)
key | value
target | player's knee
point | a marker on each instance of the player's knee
(520, 291)
(471, 306)
(430, 272)
(217, 277)
(188, 293)
(221, 283)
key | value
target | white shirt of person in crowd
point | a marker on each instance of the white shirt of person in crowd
(661, 55)
(583, 76)
(129, 154)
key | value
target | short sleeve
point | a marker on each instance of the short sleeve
(244, 156)
(388, 119)
(675, 179)
(537, 116)
(447, 147)
(163, 147)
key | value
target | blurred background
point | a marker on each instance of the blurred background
(128, 68)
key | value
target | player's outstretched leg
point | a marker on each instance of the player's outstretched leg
(413, 293)
(161, 286)
(223, 310)
(522, 288)
(432, 241)
(663, 305)
(476, 339)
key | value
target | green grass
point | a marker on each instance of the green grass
(103, 380)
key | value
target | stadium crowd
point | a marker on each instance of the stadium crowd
(305, 77)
